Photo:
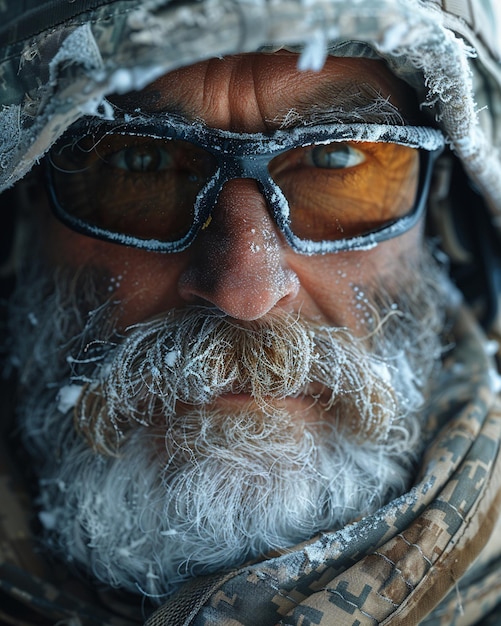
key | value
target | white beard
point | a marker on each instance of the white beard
(160, 496)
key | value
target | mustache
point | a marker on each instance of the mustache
(194, 355)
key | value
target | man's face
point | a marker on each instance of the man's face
(241, 264)
(235, 397)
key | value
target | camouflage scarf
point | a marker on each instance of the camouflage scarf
(409, 563)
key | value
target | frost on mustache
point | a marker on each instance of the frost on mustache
(195, 356)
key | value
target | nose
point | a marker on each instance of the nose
(237, 261)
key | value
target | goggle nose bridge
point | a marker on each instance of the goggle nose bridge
(234, 167)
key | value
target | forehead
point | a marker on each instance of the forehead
(254, 92)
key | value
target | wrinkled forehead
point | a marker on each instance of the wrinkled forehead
(262, 91)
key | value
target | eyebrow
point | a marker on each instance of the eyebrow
(345, 103)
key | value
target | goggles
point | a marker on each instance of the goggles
(153, 182)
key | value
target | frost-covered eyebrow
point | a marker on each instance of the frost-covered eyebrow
(342, 103)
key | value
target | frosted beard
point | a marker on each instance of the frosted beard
(145, 479)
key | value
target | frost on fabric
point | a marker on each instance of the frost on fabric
(67, 397)
(314, 53)
(355, 536)
(394, 35)
(443, 59)
(495, 381)
(79, 48)
(11, 130)
(315, 554)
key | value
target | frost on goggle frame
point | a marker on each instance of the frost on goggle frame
(153, 183)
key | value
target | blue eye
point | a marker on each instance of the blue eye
(141, 158)
(336, 156)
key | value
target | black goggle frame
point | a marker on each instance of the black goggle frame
(247, 155)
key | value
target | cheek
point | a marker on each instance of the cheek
(340, 287)
(145, 283)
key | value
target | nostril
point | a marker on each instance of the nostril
(240, 291)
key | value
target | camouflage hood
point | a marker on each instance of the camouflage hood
(59, 59)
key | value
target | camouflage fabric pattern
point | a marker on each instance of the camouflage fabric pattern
(432, 556)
